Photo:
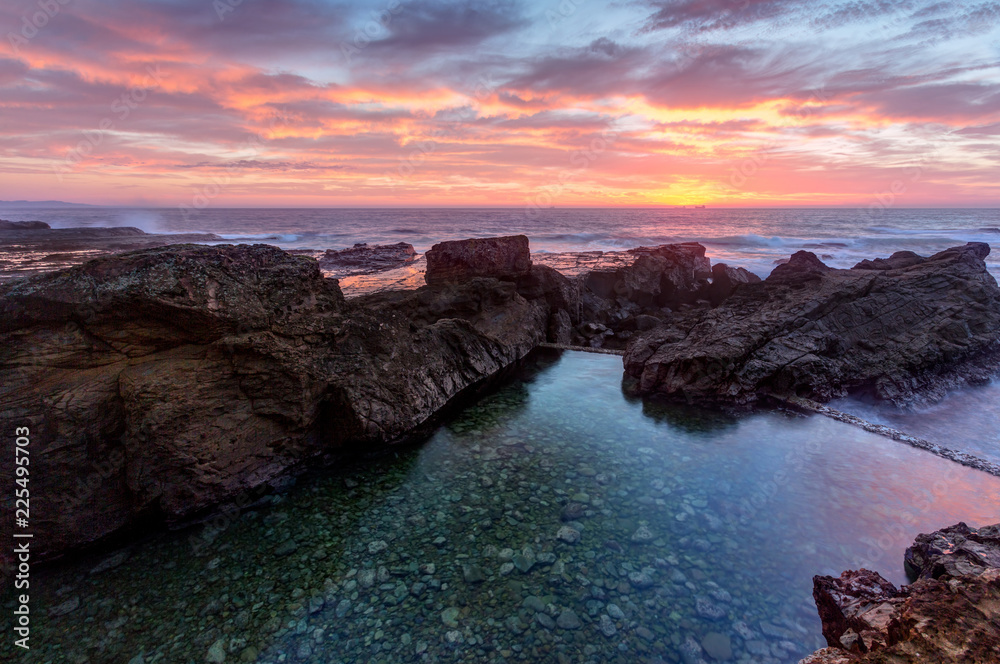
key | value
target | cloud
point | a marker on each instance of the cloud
(707, 15)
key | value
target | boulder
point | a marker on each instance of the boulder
(955, 551)
(813, 331)
(367, 259)
(950, 619)
(160, 384)
(458, 260)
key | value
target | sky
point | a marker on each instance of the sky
(191, 103)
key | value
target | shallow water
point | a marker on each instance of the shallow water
(966, 419)
(690, 524)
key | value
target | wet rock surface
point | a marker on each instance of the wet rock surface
(951, 614)
(903, 333)
(364, 259)
(164, 382)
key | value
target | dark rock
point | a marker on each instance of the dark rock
(899, 260)
(663, 276)
(949, 619)
(23, 225)
(956, 551)
(165, 382)
(367, 259)
(812, 331)
(725, 281)
(459, 260)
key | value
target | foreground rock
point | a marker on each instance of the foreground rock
(363, 259)
(942, 618)
(898, 328)
(159, 384)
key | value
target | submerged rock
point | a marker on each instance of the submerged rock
(813, 331)
(951, 614)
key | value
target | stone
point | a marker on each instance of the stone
(642, 579)
(568, 620)
(811, 331)
(473, 574)
(607, 626)
(367, 259)
(216, 653)
(615, 612)
(459, 260)
(718, 646)
(378, 546)
(69, 606)
(545, 620)
(450, 616)
(708, 610)
(642, 535)
(573, 512)
(568, 535)
(285, 548)
(947, 619)
(956, 551)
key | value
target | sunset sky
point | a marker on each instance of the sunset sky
(432, 102)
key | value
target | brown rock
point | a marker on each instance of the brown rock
(367, 259)
(458, 260)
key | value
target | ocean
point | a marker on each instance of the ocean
(752, 238)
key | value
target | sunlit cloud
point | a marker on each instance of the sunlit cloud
(438, 102)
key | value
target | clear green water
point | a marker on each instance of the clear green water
(693, 528)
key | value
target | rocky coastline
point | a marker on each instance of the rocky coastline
(166, 382)
(950, 614)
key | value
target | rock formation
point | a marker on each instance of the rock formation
(23, 225)
(158, 384)
(658, 281)
(366, 259)
(951, 614)
(899, 328)
(452, 262)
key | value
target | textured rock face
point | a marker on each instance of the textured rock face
(367, 259)
(947, 619)
(664, 276)
(955, 551)
(813, 331)
(163, 382)
(456, 261)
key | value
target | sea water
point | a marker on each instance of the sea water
(553, 520)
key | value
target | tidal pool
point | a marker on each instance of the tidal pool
(554, 520)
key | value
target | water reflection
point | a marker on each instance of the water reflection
(552, 521)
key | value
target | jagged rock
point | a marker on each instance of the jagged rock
(957, 550)
(725, 280)
(23, 225)
(946, 620)
(664, 276)
(458, 260)
(367, 259)
(813, 331)
(898, 260)
(162, 383)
